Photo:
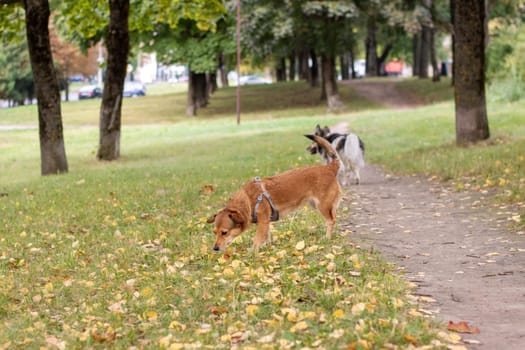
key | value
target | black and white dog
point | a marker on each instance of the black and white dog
(349, 147)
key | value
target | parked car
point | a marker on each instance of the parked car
(76, 78)
(253, 79)
(89, 91)
(394, 68)
(359, 68)
(134, 88)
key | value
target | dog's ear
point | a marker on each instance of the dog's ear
(318, 129)
(326, 130)
(236, 217)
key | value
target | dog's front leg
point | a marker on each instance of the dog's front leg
(262, 235)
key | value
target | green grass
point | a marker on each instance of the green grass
(429, 92)
(118, 254)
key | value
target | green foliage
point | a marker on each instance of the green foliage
(266, 29)
(191, 33)
(150, 22)
(12, 22)
(82, 22)
(330, 9)
(505, 66)
(16, 79)
(192, 46)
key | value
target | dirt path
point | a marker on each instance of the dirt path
(384, 92)
(456, 250)
(454, 246)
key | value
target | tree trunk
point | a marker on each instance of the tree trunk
(117, 44)
(352, 63)
(453, 37)
(222, 71)
(201, 90)
(469, 59)
(314, 70)
(425, 52)
(345, 70)
(293, 67)
(416, 51)
(211, 83)
(330, 83)
(381, 59)
(197, 93)
(191, 106)
(436, 72)
(52, 150)
(280, 69)
(304, 69)
(371, 48)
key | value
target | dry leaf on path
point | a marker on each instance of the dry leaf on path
(462, 327)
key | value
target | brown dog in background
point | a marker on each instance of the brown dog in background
(263, 200)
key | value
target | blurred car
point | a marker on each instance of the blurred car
(133, 88)
(394, 68)
(359, 68)
(253, 79)
(76, 78)
(89, 91)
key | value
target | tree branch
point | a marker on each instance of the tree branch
(10, 2)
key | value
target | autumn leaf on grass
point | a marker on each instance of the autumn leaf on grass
(207, 189)
(56, 343)
(129, 219)
(108, 336)
(300, 245)
(299, 327)
(251, 310)
(462, 327)
(410, 339)
(217, 310)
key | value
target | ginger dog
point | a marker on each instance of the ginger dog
(263, 200)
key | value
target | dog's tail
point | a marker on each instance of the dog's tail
(321, 141)
(355, 149)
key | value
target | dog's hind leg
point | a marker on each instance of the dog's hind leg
(329, 211)
(328, 208)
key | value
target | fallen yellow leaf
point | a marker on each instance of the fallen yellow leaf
(146, 292)
(298, 327)
(338, 313)
(152, 315)
(251, 310)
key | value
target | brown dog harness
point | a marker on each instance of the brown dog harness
(275, 213)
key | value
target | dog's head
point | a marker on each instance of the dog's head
(228, 224)
(314, 148)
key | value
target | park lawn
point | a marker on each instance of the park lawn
(118, 254)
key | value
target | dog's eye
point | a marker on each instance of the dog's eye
(224, 233)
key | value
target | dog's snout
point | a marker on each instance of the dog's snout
(216, 248)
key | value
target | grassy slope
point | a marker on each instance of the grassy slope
(118, 253)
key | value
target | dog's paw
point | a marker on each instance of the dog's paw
(257, 245)
(254, 249)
